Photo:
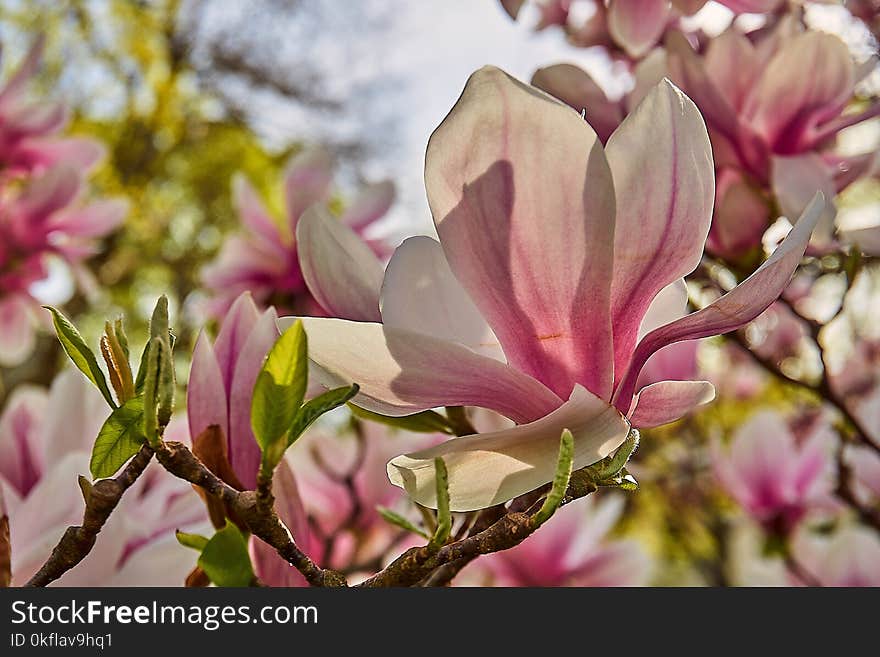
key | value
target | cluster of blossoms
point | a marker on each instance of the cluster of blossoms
(45, 217)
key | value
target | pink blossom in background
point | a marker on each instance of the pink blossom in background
(262, 258)
(572, 549)
(774, 103)
(776, 478)
(44, 214)
(519, 315)
(45, 442)
(850, 557)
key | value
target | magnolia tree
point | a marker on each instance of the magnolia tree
(460, 410)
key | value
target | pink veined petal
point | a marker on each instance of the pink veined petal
(636, 25)
(664, 206)
(401, 372)
(733, 65)
(79, 152)
(736, 308)
(244, 452)
(341, 271)
(523, 201)
(205, 393)
(420, 293)
(795, 180)
(17, 337)
(669, 304)
(234, 332)
(370, 205)
(22, 446)
(687, 70)
(94, 220)
(78, 411)
(805, 83)
(576, 88)
(270, 567)
(307, 181)
(667, 401)
(492, 468)
(252, 211)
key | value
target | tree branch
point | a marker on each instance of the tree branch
(78, 541)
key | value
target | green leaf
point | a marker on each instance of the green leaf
(424, 422)
(315, 408)
(396, 519)
(119, 330)
(610, 467)
(194, 541)
(280, 387)
(79, 352)
(159, 326)
(119, 439)
(560, 481)
(444, 517)
(225, 558)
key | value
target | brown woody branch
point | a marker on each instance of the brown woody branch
(101, 500)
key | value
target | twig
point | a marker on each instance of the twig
(78, 541)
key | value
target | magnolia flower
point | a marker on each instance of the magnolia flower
(774, 102)
(632, 27)
(218, 396)
(851, 557)
(572, 549)
(262, 259)
(28, 128)
(557, 276)
(45, 441)
(775, 479)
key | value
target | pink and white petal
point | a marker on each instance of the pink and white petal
(420, 293)
(736, 308)
(522, 198)
(648, 73)
(341, 271)
(732, 63)
(492, 468)
(91, 221)
(307, 181)
(742, 214)
(369, 206)
(786, 107)
(669, 304)
(244, 452)
(50, 192)
(796, 180)
(17, 338)
(205, 393)
(401, 372)
(664, 206)
(234, 332)
(751, 6)
(15, 86)
(251, 209)
(667, 401)
(78, 411)
(574, 87)
(636, 25)
(22, 446)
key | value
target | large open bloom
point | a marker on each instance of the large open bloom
(262, 258)
(558, 274)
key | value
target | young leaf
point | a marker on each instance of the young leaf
(151, 389)
(159, 326)
(396, 519)
(444, 517)
(79, 352)
(560, 481)
(194, 541)
(280, 387)
(424, 422)
(316, 407)
(119, 439)
(225, 558)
